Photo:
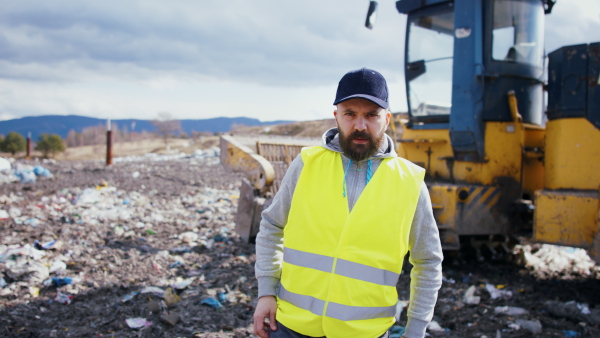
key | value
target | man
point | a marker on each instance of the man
(331, 245)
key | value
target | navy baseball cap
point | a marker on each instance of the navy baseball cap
(364, 83)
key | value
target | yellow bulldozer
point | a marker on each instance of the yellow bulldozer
(501, 163)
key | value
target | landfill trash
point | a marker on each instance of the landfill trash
(135, 174)
(153, 307)
(137, 323)
(183, 283)
(435, 327)
(470, 298)
(222, 297)
(399, 307)
(170, 318)
(41, 171)
(448, 280)
(87, 223)
(179, 250)
(14, 212)
(32, 271)
(533, 326)
(4, 215)
(495, 293)
(174, 265)
(58, 281)
(571, 333)
(25, 174)
(170, 297)
(396, 331)
(44, 246)
(189, 237)
(554, 260)
(34, 291)
(212, 302)
(154, 290)
(129, 296)
(57, 266)
(5, 164)
(32, 221)
(574, 311)
(63, 298)
(89, 196)
(510, 311)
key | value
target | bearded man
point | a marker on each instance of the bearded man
(331, 245)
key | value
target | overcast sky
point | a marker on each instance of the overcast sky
(200, 59)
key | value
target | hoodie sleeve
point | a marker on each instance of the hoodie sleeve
(269, 241)
(426, 275)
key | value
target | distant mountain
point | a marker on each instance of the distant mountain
(61, 124)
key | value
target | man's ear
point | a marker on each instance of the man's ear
(388, 117)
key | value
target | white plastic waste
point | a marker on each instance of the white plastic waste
(4, 164)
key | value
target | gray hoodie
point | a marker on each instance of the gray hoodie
(424, 242)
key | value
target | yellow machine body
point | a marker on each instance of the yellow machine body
(558, 167)
(567, 210)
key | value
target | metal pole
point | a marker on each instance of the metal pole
(109, 144)
(28, 155)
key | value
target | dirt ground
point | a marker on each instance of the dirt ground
(169, 225)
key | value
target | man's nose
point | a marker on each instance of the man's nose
(361, 124)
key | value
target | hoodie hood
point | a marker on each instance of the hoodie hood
(331, 141)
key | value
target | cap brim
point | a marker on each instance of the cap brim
(373, 99)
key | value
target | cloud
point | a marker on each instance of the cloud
(265, 59)
(263, 42)
(571, 23)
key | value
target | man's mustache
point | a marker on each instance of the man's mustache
(360, 134)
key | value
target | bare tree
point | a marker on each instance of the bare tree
(167, 126)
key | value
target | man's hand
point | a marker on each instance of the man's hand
(266, 308)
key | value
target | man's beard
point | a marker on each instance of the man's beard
(359, 152)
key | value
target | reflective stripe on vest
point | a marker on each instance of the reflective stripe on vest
(343, 267)
(335, 310)
(340, 267)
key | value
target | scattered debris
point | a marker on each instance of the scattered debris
(496, 293)
(114, 251)
(137, 323)
(170, 318)
(470, 298)
(510, 311)
(575, 311)
(533, 326)
(212, 302)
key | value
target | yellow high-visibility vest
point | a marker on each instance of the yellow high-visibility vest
(340, 268)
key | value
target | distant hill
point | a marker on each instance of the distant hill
(61, 124)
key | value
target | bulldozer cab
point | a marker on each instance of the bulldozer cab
(461, 59)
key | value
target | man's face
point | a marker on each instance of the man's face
(361, 124)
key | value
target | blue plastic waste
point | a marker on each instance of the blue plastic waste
(396, 331)
(25, 176)
(43, 246)
(41, 171)
(174, 265)
(212, 303)
(222, 297)
(62, 281)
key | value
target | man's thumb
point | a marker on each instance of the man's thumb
(273, 322)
